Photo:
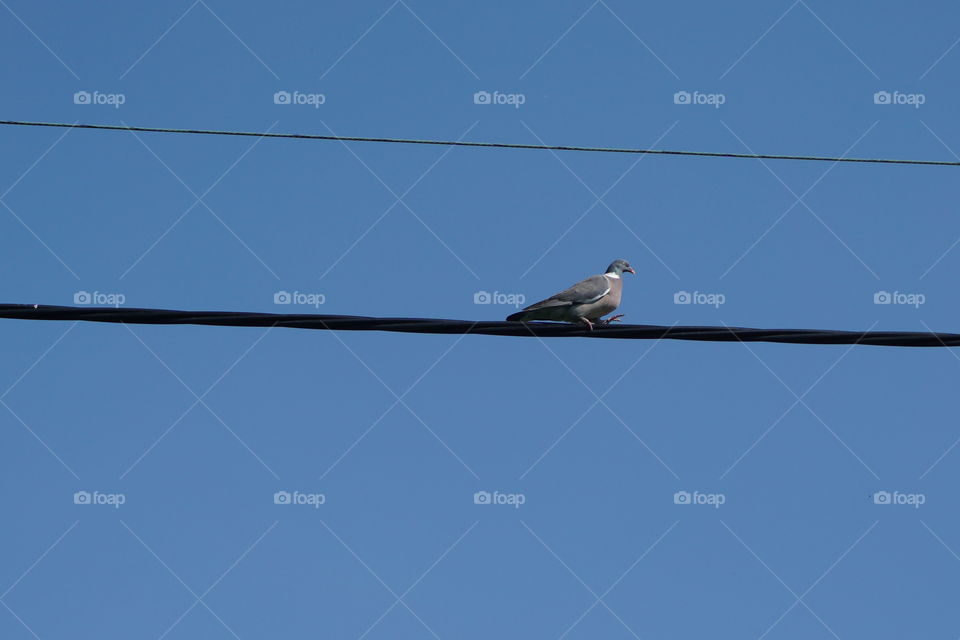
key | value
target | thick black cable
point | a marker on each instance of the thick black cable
(484, 327)
(494, 145)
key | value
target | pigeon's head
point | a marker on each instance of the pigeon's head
(619, 266)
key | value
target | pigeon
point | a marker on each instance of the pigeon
(585, 302)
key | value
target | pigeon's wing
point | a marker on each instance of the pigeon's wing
(584, 292)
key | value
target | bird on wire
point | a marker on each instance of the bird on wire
(585, 302)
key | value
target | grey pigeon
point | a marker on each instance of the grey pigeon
(585, 302)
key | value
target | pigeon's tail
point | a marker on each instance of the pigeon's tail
(517, 317)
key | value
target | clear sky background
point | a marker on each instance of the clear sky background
(196, 429)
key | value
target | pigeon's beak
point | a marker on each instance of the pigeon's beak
(630, 270)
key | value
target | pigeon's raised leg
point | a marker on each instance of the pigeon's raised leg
(615, 318)
(588, 323)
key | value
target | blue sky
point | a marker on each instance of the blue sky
(191, 482)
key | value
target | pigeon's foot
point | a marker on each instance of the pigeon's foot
(615, 318)
(588, 323)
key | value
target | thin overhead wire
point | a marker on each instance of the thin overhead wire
(492, 145)
(125, 315)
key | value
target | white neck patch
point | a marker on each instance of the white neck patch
(612, 275)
